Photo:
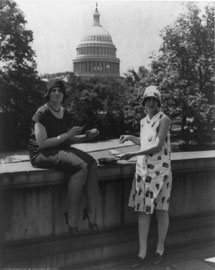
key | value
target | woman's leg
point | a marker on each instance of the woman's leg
(143, 223)
(92, 191)
(68, 162)
(75, 187)
(163, 225)
(91, 184)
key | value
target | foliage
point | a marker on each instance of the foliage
(19, 82)
(184, 71)
(97, 102)
(135, 82)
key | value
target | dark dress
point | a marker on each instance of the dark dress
(62, 157)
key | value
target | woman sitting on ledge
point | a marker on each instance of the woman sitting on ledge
(49, 147)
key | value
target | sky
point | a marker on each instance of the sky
(135, 26)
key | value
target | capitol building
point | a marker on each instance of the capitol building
(96, 53)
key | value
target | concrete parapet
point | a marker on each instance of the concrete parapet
(34, 201)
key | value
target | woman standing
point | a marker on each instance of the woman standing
(153, 178)
(49, 147)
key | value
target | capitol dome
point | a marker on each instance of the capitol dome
(96, 53)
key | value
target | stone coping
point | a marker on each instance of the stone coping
(20, 171)
(25, 165)
(102, 148)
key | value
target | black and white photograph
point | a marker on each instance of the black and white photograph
(107, 135)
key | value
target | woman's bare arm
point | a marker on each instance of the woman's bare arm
(156, 147)
(45, 142)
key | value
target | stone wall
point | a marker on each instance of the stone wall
(34, 201)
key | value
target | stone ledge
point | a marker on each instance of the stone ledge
(23, 174)
(34, 201)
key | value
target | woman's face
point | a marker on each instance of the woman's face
(56, 95)
(151, 104)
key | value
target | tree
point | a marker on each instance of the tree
(18, 67)
(97, 102)
(135, 83)
(184, 70)
(20, 83)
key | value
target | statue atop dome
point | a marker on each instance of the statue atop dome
(96, 17)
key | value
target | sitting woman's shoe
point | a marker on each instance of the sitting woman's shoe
(71, 230)
(93, 226)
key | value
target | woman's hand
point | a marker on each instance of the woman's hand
(126, 156)
(76, 130)
(133, 139)
(124, 138)
(92, 133)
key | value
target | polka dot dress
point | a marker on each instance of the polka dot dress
(152, 182)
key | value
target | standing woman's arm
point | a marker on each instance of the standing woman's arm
(156, 147)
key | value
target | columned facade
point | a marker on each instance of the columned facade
(96, 53)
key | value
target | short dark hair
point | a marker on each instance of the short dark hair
(55, 82)
(144, 101)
